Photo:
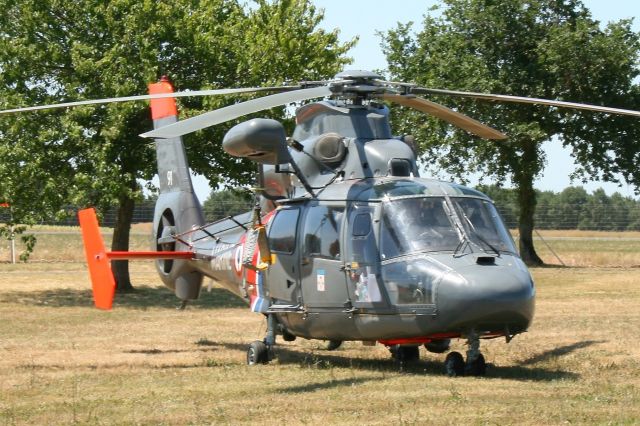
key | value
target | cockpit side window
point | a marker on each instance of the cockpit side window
(282, 232)
(322, 231)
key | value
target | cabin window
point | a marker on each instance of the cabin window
(322, 231)
(282, 233)
(361, 225)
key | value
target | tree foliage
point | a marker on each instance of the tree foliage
(228, 202)
(535, 48)
(61, 50)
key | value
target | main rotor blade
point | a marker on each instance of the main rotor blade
(234, 111)
(450, 116)
(525, 100)
(211, 92)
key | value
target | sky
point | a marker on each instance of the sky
(363, 18)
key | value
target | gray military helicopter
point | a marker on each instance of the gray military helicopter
(346, 242)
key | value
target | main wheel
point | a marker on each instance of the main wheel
(404, 354)
(333, 345)
(287, 337)
(438, 346)
(454, 364)
(477, 367)
(258, 353)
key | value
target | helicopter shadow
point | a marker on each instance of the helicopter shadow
(141, 297)
(429, 366)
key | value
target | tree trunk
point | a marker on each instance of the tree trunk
(120, 242)
(527, 201)
(527, 204)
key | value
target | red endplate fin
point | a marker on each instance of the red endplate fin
(102, 281)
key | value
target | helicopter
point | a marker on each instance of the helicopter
(346, 241)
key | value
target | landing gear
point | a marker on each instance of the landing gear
(333, 345)
(454, 364)
(478, 367)
(286, 336)
(261, 352)
(438, 346)
(258, 353)
(475, 365)
(403, 354)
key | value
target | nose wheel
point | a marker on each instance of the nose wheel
(257, 353)
(261, 351)
(475, 365)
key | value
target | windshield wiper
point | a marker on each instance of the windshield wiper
(453, 218)
(477, 234)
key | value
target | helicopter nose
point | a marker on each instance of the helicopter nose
(487, 298)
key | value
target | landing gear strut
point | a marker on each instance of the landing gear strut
(403, 354)
(475, 365)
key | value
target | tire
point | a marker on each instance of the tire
(438, 346)
(258, 353)
(333, 345)
(454, 364)
(287, 337)
(477, 367)
(404, 354)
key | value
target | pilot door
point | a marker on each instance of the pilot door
(322, 276)
(361, 259)
(283, 276)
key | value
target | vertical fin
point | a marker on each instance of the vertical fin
(177, 208)
(102, 281)
(173, 169)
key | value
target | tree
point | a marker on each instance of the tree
(61, 50)
(229, 202)
(536, 48)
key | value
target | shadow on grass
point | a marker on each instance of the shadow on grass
(314, 359)
(142, 297)
(312, 387)
(558, 352)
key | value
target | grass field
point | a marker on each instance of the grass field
(574, 248)
(62, 361)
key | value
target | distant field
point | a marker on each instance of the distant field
(62, 361)
(574, 248)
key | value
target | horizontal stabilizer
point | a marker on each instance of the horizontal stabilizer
(98, 260)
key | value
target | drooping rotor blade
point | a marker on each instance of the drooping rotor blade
(525, 100)
(234, 111)
(193, 93)
(450, 116)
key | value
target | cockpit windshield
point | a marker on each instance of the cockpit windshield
(437, 224)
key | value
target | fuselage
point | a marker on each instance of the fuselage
(378, 259)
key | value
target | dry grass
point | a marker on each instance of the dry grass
(61, 361)
(575, 248)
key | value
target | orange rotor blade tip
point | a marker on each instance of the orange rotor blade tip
(163, 107)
